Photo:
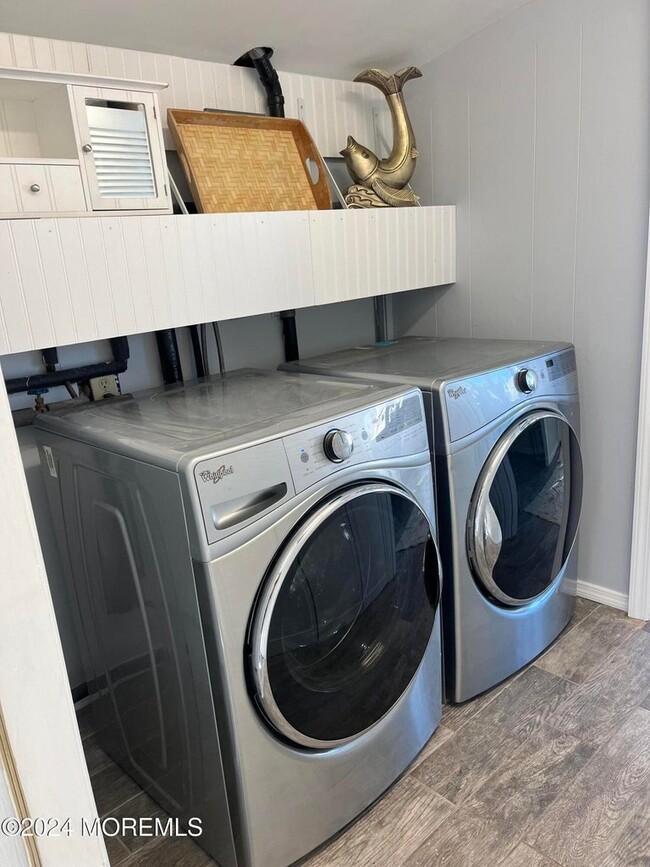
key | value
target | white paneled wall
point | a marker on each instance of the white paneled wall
(540, 135)
(331, 109)
(74, 280)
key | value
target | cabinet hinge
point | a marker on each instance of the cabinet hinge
(155, 114)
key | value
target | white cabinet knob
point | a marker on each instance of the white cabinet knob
(35, 188)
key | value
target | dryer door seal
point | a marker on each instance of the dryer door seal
(345, 616)
(524, 513)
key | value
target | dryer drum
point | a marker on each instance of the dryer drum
(524, 513)
(345, 616)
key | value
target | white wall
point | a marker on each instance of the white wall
(538, 129)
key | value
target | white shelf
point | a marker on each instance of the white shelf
(72, 280)
(78, 78)
(36, 161)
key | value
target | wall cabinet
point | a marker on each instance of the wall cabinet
(73, 145)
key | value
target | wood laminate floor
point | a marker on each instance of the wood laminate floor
(550, 768)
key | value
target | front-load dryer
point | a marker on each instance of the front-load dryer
(504, 424)
(258, 582)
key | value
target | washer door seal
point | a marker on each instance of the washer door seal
(345, 616)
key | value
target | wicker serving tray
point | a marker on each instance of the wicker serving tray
(236, 162)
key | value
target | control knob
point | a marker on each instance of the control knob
(527, 380)
(338, 445)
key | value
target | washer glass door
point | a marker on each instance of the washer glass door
(345, 616)
(523, 517)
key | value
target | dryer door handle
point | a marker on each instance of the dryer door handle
(492, 537)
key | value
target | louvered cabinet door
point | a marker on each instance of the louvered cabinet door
(120, 147)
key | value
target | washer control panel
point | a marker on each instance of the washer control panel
(393, 429)
(338, 445)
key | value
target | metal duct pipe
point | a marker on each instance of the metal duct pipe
(260, 59)
(384, 328)
(170, 360)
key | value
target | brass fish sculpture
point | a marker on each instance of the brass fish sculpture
(382, 182)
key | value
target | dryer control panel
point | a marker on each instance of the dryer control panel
(393, 429)
(475, 401)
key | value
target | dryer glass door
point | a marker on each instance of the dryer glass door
(345, 616)
(524, 514)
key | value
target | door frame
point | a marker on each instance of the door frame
(639, 595)
(40, 727)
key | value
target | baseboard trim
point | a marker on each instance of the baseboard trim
(602, 594)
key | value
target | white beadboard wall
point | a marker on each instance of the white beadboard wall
(330, 108)
(540, 134)
(73, 280)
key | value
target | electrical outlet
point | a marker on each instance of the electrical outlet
(104, 386)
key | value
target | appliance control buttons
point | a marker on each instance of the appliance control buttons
(527, 380)
(338, 445)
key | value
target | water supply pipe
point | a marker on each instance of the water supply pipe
(53, 377)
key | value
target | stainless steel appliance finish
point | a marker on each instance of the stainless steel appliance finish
(503, 419)
(258, 584)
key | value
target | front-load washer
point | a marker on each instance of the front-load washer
(258, 582)
(504, 425)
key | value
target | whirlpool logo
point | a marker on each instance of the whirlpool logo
(457, 392)
(217, 475)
